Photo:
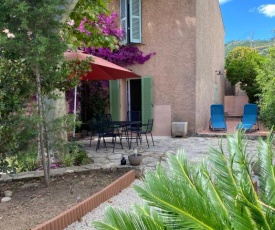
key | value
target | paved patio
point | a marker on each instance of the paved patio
(231, 123)
(196, 147)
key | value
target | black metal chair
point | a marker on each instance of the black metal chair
(147, 130)
(106, 129)
(106, 117)
(130, 129)
(109, 131)
(133, 116)
(93, 124)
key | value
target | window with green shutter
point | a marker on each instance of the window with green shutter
(130, 20)
(114, 88)
(123, 19)
(147, 99)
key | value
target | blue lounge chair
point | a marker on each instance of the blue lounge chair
(217, 118)
(250, 118)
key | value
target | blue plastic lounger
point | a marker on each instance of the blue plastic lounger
(250, 118)
(217, 118)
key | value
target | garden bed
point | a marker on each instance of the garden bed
(32, 203)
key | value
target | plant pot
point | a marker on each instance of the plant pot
(135, 159)
(179, 129)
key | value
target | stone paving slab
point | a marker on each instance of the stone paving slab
(196, 149)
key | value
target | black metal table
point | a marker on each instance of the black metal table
(126, 129)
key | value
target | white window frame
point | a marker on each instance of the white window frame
(130, 20)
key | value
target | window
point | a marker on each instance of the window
(130, 20)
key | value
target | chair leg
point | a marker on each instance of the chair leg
(98, 143)
(147, 140)
(114, 143)
(152, 139)
(104, 142)
(137, 136)
(120, 140)
(140, 138)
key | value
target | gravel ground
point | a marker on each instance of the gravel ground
(123, 200)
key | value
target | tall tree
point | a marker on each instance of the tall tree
(30, 31)
(30, 40)
(241, 67)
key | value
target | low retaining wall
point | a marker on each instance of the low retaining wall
(233, 105)
(77, 212)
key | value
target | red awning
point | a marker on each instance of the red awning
(101, 69)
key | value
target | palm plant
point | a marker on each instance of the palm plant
(215, 194)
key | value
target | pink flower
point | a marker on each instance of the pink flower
(71, 23)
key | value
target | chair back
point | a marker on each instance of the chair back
(93, 126)
(150, 125)
(133, 116)
(217, 118)
(103, 117)
(250, 114)
(217, 112)
(103, 123)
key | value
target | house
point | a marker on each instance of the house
(185, 76)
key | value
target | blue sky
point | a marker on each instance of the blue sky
(248, 19)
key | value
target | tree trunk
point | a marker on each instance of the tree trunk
(41, 126)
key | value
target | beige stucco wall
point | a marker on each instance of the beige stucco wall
(170, 28)
(209, 60)
(233, 105)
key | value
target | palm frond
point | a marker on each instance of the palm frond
(225, 171)
(267, 178)
(200, 181)
(116, 219)
(207, 189)
(176, 195)
(266, 171)
(216, 194)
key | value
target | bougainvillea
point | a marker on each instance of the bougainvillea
(104, 23)
(92, 92)
(87, 92)
(108, 27)
(123, 55)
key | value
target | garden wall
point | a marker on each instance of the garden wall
(233, 105)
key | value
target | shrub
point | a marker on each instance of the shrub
(241, 66)
(24, 161)
(75, 155)
(266, 80)
(67, 160)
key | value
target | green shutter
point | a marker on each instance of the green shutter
(123, 19)
(146, 99)
(114, 99)
(135, 21)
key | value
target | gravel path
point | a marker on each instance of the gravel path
(123, 200)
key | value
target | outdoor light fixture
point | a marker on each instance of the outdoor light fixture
(218, 72)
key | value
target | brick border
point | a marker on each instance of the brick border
(78, 211)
